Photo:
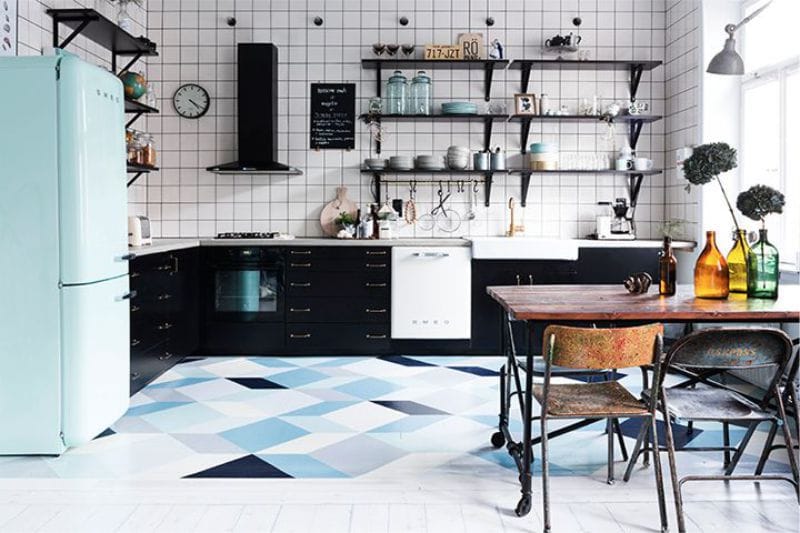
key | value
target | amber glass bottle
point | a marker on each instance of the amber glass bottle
(711, 271)
(667, 266)
(737, 262)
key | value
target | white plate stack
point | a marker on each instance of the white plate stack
(401, 162)
(429, 162)
(458, 157)
(375, 163)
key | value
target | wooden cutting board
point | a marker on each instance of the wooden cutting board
(331, 211)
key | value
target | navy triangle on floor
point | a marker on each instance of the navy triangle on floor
(248, 466)
(403, 360)
(256, 383)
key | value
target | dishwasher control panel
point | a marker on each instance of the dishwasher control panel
(431, 292)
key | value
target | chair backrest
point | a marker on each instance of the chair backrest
(732, 348)
(594, 348)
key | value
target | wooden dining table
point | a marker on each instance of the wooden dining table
(613, 305)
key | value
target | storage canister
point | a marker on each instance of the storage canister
(421, 94)
(397, 94)
(543, 156)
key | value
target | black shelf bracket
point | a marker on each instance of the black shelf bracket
(525, 73)
(525, 177)
(135, 177)
(487, 133)
(634, 130)
(487, 188)
(133, 119)
(130, 63)
(77, 31)
(525, 130)
(488, 74)
(636, 77)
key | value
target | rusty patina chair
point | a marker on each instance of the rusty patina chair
(570, 347)
(708, 353)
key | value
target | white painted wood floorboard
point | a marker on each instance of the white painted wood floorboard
(446, 505)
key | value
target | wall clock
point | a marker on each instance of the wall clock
(191, 101)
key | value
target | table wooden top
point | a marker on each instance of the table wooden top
(614, 303)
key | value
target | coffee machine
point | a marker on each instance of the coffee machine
(622, 223)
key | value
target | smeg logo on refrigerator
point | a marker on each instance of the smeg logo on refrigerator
(107, 95)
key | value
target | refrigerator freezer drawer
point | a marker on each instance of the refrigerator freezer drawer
(95, 336)
(431, 292)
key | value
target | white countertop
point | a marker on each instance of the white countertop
(167, 245)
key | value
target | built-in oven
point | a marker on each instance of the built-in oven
(244, 299)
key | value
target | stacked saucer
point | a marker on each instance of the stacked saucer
(401, 162)
(459, 108)
(458, 157)
(429, 162)
(375, 163)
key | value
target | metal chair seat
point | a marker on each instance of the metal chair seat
(586, 400)
(539, 365)
(712, 404)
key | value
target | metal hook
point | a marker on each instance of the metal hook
(440, 187)
(475, 186)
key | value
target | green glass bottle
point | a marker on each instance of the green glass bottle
(763, 269)
(737, 262)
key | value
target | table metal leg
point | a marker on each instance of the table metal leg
(524, 505)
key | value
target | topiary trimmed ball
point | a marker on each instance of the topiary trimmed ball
(708, 161)
(759, 201)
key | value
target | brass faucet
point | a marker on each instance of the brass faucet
(513, 228)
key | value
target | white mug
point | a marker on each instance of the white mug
(642, 163)
(624, 164)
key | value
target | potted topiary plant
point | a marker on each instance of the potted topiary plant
(763, 265)
(712, 272)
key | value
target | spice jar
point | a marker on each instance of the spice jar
(148, 150)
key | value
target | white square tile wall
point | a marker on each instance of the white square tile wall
(196, 45)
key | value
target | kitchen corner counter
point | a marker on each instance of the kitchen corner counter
(686, 246)
(164, 245)
(321, 241)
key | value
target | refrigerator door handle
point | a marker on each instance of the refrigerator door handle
(127, 257)
(128, 296)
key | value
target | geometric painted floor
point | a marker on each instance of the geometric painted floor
(374, 444)
(328, 417)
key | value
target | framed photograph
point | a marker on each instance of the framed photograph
(525, 104)
(8, 27)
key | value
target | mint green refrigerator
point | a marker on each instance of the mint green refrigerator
(64, 296)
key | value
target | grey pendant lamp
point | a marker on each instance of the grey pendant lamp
(728, 61)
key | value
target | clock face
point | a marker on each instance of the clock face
(191, 101)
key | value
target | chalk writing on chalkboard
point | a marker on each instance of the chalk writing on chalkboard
(333, 116)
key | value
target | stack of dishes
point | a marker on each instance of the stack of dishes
(458, 157)
(401, 162)
(375, 163)
(544, 156)
(459, 108)
(429, 162)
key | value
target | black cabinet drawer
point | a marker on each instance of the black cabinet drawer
(366, 264)
(338, 310)
(242, 338)
(338, 338)
(293, 254)
(356, 285)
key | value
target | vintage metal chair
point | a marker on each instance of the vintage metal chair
(708, 353)
(570, 347)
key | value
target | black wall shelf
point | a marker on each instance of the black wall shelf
(95, 27)
(488, 66)
(448, 176)
(137, 109)
(138, 170)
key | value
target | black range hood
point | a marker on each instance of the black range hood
(257, 92)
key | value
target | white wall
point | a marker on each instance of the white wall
(196, 45)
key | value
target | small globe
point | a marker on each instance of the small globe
(135, 84)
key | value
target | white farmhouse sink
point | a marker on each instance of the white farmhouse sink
(523, 248)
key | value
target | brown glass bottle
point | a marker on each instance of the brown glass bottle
(711, 274)
(667, 267)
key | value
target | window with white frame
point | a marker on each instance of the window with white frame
(770, 133)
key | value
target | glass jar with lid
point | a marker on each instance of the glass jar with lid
(148, 150)
(421, 94)
(397, 94)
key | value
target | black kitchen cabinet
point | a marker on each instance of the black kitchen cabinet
(164, 313)
(613, 265)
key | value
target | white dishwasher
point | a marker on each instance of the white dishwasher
(431, 292)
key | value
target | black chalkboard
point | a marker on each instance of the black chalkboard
(333, 116)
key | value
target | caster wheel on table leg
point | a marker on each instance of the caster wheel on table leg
(498, 439)
(524, 506)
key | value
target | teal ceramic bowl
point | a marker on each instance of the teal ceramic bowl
(134, 83)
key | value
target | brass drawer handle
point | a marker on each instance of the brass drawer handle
(135, 342)
(375, 337)
(165, 326)
(368, 310)
(135, 308)
(135, 274)
(300, 265)
(302, 310)
(300, 335)
(370, 252)
(164, 267)
(164, 357)
(165, 296)
(375, 285)
(530, 279)
(135, 375)
(375, 265)
(305, 284)
(300, 252)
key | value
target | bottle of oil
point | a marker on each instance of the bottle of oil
(667, 266)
